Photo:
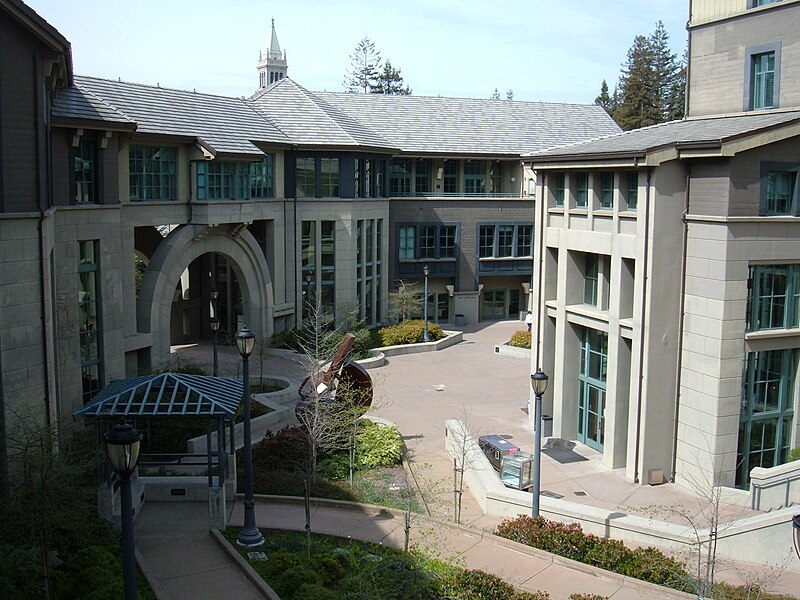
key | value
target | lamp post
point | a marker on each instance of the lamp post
(796, 528)
(214, 323)
(250, 535)
(539, 385)
(426, 271)
(122, 449)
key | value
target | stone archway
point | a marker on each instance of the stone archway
(175, 253)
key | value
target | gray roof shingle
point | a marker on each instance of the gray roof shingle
(75, 102)
(692, 131)
(226, 124)
(424, 124)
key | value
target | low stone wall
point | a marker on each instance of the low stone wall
(763, 539)
(381, 354)
(506, 350)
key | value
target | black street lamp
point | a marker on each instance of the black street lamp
(796, 528)
(539, 385)
(250, 535)
(426, 271)
(122, 449)
(214, 323)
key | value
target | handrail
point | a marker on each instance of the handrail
(757, 488)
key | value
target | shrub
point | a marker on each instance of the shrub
(334, 468)
(479, 585)
(520, 339)
(313, 591)
(378, 445)
(794, 454)
(409, 332)
(365, 340)
(587, 597)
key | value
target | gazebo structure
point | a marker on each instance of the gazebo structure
(172, 396)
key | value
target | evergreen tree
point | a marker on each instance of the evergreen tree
(389, 81)
(676, 100)
(639, 102)
(665, 69)
(365, 62)
(604, 99)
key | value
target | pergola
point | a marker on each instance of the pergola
(172, 396)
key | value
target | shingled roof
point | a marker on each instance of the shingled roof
(227, 125)
(693, 132)
(75, 103)
(465, 126)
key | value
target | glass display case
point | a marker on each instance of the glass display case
(516, 470)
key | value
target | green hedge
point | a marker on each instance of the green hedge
(409, 332)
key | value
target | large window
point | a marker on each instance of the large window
(774, 297)
(762, 76)
(422, 176)
(474, 177)
(305, 177)
(152, 173)
(632, 197)
(308, 257)
(779, 193)
(450, 176)
(85, 172)
(368, 269)
(421, 242)
(496, 178)
(606, 189)
(89, 318)
(560, 189)
(767, 414)
(329, 177)
(505, 241)
(581, 190)
(592, 388)
(400, 177)
(231, 180)
(262, 178)
(590, 279)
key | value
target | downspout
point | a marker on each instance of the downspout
(645, 258)
(42, 195)
(539, 313)
(681, 318)
(688, 63)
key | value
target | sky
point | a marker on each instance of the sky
(543, 50)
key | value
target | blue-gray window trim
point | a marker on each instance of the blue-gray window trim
(418, 225)
(752, 3)
(749, 53)
(766, 168)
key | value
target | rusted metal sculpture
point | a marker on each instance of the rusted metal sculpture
(342, 374)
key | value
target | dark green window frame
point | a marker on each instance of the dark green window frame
(606, 189)
(505, 240)
(89, 321)
(427, 242)
(581, 190)
(305, 175)
(560, 189)
(590, 278)
(632, 198)
(152, 173)
(773, 299)
(329, 177)
(400, 177)
(422, 176)
(475, 177)
(451, 176)
(592, 378)
(85, 171)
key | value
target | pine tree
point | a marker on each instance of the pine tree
(676, 100)
(604, 99)
(390, 81)
(365, 63)
(665, 69)
(639, 102)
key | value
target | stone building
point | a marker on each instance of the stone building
(667, 265)
(123, 205)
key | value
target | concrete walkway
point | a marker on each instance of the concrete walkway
(489, 392)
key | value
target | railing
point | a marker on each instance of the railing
(788, 474)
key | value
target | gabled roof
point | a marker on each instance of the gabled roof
(227, 125)
(310, 121)
(465, 126)
(166, 394)
(77, 103)
(710, 132)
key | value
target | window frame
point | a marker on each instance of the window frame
(581, 190)
(751, 53)
(167, 172)
(757, 296)
(779, 167)
(93, 185)
(605, 196)
(512, 234)
(410, 238)
(560, 189)
(632, 191)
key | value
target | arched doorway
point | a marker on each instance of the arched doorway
(167, 272)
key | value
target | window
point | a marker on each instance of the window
(368, 268)
(773, 297)
(606, 189)
(427, 241)
(225, 180)
(560, 189)
(581, 190)
(633, 190)
(493, 304)
(420, 242)
(762, 76)
(474, 177)
(328, 270)
(765, 425)
(408, 235)
(85, 172)
(305, 177)
(89, 318)
(422, 176)
(756, 3)
(780, 192)
(505, 241)
(152, 173)
(400, 177)
(592, 388)
(262, 175)
(590, 279)
(450, 176)
(496, 178)
(329, 177)
(308, 257)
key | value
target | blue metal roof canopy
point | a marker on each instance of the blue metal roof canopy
(166, 395)
(172, 395)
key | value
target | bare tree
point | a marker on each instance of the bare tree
(406, 301)
(463, 447)
(365, 62)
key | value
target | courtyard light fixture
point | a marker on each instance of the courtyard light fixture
(122, 449)
(539, 385)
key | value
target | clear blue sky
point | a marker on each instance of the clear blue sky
(553, 50)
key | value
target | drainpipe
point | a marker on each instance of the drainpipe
(642, 327)
(539, 322)
(681, 318)
(688, 63)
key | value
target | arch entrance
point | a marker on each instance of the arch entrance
(174, 301)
